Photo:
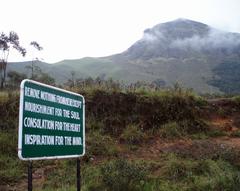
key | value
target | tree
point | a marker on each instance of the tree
(8, 42)
(41, 76)
(46, 79)
(15, 78)
(71, 82)
(32, 66)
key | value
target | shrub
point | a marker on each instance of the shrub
(194, 126)
(121, 175)
(91, 178)
(236, 99)
(132, 135)
(216, 133)
(183, 128)
(171, 130)
(93, 125)
(176, 169)
(8, 143)
(200, 175)
(113, 126)
(100, 145)
(59, 175)
(12, 169)
(235, 133)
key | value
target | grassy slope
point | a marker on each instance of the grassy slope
(192, 73)
(173, 139)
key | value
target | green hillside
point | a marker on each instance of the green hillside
(190, 53)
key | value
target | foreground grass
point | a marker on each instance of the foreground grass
(131, 119)
(171, 172)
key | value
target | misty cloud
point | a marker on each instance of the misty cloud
(152, 35)
(214, 39)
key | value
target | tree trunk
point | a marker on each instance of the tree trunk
(1, 83)
(3, 66)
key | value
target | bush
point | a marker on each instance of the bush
(132, 135)
(59, 175)
(183, 128)
(113, 126)
(121, 175)
(216, 133)
(12, 169)
(116, 110)
(176, 169)
(100, 145)
(235, 133)
(200, 175)
(8, 143)
(93, 125)
(9, 112)
(236, 99)
(194, 126)
(91, 178)
(171, 130)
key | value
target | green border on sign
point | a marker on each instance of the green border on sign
(38, 152)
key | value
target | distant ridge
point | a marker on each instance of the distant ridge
(191, 53)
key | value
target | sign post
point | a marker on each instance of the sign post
(78, 175)
(30, 176)
(51, 122)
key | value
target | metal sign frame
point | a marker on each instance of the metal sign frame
(20, 130)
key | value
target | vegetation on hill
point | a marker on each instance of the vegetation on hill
(184, 51)
(8, 42)
(136, 139)
(227, 77)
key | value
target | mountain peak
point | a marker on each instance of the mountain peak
(184, 20)
(178, 29)
(182, 38)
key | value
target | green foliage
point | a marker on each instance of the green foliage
(93, 125)
(132, 135)
(46, 79)
(116, 110)
(177, 170)
(228, 77)
(183, 128)
(100, 145)
(8, 42)
(8, 143)
(236, 99)
(121, 175)
(171, 130)
(216, 133)
(114, 115)
(60, 176)
(113, 125)
(91, 85)
(3, 96)
(15, 79)
(221, 112)
(9, 112)
(12, 169)
(201, 174)
(38, 74)
(235, 133)
(92, 178)
(170, 173)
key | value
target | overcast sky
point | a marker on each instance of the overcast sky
(72, 29)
